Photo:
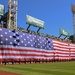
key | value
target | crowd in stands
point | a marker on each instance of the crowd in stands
(43, 35)
(1, 25)
(40, 34)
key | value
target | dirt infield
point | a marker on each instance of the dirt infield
(7, 73)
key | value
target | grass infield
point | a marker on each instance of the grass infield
(58, 68)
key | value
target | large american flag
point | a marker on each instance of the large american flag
(14, 44)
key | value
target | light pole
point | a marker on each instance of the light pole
(73, 11)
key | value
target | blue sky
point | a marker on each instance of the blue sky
(55, 13)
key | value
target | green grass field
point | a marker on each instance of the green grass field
(60, 68)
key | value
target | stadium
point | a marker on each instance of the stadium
(24, 46)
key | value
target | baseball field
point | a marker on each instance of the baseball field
(57, 68)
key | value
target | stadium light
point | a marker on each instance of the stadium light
(73, 8)
(73, 11)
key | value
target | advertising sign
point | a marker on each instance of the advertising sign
(63, 32)
(34, 21)
(1, 10)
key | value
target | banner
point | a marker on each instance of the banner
(63, 32)
(35, 22)
(1, 10)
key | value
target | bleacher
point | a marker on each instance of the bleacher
(42, 34)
